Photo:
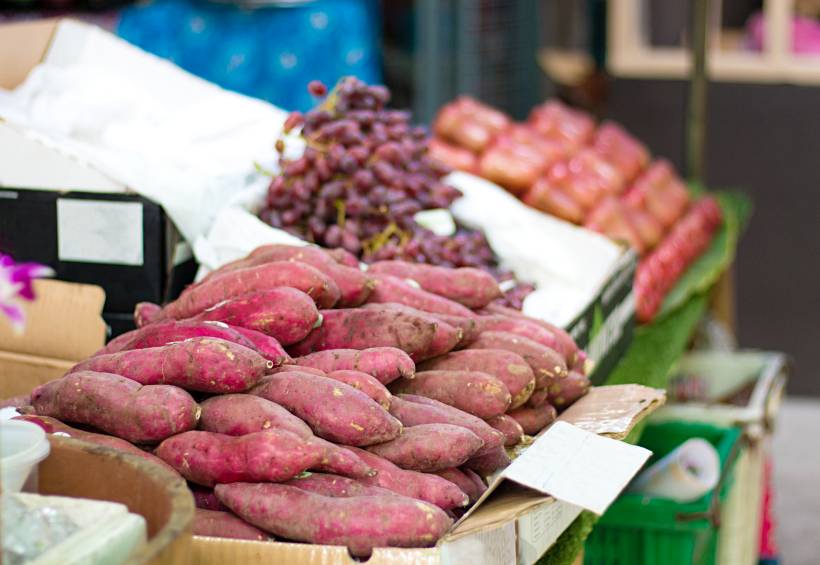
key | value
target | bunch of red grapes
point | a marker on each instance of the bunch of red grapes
(364, 175)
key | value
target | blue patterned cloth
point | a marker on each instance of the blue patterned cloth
(271, 52)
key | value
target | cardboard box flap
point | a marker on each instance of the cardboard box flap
(63, 322)
(613, 411)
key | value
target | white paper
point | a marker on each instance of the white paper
(495, 546)
(95, 231)
(539, 528)
(577, 466)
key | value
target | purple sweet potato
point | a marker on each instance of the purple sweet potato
(328, 484)
(421, 486)
(446, 338)
(463, 482)
(566, 345)
(430, 447)
(393, 289)
(53, 426)
(117, 405)
(359, 522)
(487, 464)
(564, 392)
(303, 277)
(146, 313)
(362, 328)
(386, 364)
(214, 523)
(474, 392)
(470, 287)
(363, 382)
(334, 411)
(507, 367)
(266, 345)
(512, 430)
(538, 398)
(204, 497)
(519, 326)
(533, 420)
(165, 332)
(286, 314)
(204, 364)
(241, 414)
(417, 410)
(544, 361)
(208, 458)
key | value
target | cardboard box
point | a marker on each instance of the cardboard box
(511, 524)
(64, 325)
(72, 217)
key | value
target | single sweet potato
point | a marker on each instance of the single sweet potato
(417, 410)
(359, 522)
(566, 344)
(474, 392)
(218, 524)
(117, 405)
(343, 257)
(334, 411)
(430, 447)
(470, 287)
(303, 277)
(168, 331)
(362, 328)
(53, 426)
(421, 486)
(204, 497)
(204, 364)
(538, 398)
(386, 364)
(512, 430)
(328, 484)
(544, 361)
(393, 289)
(242, 414)
(208, 458)
(507, 367)
(363, 382)
(146, 313)
(533, 420)
(477, 481)
(462, 481)
(266, 345)
(487, 464)
(519, 326)
(446, 337)
(564, 392)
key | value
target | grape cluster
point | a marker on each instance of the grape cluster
(363, 176)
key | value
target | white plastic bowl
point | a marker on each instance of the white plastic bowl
(22, 446)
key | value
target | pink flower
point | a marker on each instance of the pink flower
(16, 285)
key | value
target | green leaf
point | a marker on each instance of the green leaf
(706, 270)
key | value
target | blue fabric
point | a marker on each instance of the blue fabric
(270, 53)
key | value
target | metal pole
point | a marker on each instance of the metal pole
(698, 83)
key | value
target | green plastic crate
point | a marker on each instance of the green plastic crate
(643, 530)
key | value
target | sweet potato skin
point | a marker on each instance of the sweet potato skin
(219, 524)
(241, 414)
(365, 383)
(343, 257)
(519, 326)
(544, 361)
(117, 405)
(564, 392)
(361, 328)
(538, 398)
(205, 498)
(430, 447)
(203, 364)
(533, 420)
(462, 481)
(414, 410)
(208, 458)
(474, 392)
(361, 523)
(303, 277)
(446, 337)
(512, 430)
(328, 484)
(470, 287)
(299, 369)
(146, 313)
(507, 367)
(165, 332)
(566, 345)
(421, 486)
(266, 345)
(487, 464)
(388, 289)
(334, 411)
(286, 314)
(386, 364)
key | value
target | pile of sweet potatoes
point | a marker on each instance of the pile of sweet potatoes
(306, 399)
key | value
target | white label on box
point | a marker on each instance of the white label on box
(539, 528)
(577, 466)
(95, 231)
(494, 546)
